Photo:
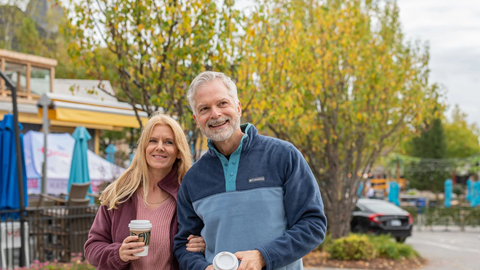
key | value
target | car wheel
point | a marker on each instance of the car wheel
(401, 239)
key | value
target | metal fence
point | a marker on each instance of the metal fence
(441, 216)
(51, 233)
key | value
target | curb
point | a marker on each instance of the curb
(329, 268)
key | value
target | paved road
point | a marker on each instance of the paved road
(448, 250)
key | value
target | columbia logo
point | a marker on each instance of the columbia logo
(256, 179)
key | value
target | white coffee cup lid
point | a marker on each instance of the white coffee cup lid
(225, 261)
(140, 224)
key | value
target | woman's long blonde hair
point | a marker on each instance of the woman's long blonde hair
(136, 174)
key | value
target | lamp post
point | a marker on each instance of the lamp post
(19, 165)
(45, 102)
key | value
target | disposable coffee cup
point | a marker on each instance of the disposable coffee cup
(225, 261)
(141, 228)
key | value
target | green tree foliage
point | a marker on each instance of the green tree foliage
(461, 137)
(426, 174)
(338, 80)
(441, 147)
(39, 30)
(431, 143)
(155, 48)
(14, 23)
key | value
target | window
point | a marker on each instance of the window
(18, 74)
(39, 80)
(384, 207)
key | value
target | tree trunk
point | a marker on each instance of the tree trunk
(338, 205)
(338, 221)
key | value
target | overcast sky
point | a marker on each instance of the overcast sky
(452, 29)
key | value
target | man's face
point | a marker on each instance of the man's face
(216, 113)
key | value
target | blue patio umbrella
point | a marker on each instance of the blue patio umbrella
(4, 165)
(110, 150)
(131, 159)
(394, 192)
(475, 199)
(448, 193)
(79, 167)
(469, 190)
(9, 198)
(360, 190)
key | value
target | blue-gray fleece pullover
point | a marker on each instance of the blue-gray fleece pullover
(264, 197)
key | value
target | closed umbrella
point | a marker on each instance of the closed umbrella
(79, 167)
(8, 160)
(469, 190)
(110, 150)
(360, 190)
(475, 199)
(448, 193)
(393, 193)
(4, 165)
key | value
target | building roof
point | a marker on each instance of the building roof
(79, 102)
(84, 89)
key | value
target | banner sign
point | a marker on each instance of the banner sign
(59, 158)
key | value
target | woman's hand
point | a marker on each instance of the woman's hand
(195, 244)
(129, 247)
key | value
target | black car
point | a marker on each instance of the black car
(381, 217)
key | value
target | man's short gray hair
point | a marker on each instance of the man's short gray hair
(207, 77)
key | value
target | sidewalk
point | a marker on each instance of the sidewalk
(442, 228)
(329, 268)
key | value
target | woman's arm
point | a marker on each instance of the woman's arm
(100, 250)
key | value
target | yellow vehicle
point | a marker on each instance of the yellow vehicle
(380, 185)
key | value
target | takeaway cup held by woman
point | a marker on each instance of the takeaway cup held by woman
(141, 228)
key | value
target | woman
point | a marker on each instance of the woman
(146, 190)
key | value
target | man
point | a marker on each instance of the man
(252, 195)
(371, 193)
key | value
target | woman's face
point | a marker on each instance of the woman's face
(161, 151)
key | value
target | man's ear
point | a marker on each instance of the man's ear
(239, 108)
(195, 118)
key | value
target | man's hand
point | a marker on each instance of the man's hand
(251, 260)
(210, 267)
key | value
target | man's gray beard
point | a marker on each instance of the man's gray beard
(233, 125)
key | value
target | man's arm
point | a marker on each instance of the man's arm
(188, 223)
(307, 223)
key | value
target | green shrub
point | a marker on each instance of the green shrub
(388, 248)
(352, 247)
(406, 251)
(458, 189)
(366, 247)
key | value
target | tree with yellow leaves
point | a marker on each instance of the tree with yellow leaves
(155, 48)
(339, 81)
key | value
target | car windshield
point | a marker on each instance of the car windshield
(381, 207)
